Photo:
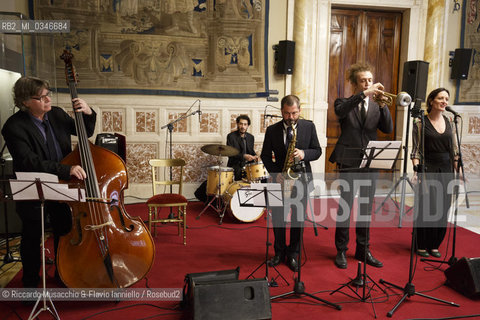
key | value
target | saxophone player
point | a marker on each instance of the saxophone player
(277, 142)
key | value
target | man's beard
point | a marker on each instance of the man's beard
(290, 122)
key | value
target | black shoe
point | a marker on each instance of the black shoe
(360, 255)
(276, 260)
(292, 264)
(341, 260)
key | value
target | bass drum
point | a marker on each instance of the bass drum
(242, 214)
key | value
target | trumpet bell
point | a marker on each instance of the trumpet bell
(403, 99)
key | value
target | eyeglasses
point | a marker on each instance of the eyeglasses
(44, 97)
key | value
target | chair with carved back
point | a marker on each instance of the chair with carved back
(175, 201)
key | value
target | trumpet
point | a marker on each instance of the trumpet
(402, 99)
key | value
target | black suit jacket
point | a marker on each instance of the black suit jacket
(235, 140)
(355, 134)
(273, 142)
(27, 145)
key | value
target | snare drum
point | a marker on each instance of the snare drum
(219, 178)
(255, 171)
(243, 214)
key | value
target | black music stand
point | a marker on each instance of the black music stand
(39, 186)
(272, 196)
(299, 286)
(377, 155)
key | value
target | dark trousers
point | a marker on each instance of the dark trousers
(279, 219)
(434, 201)
(60, 220)
(347, 197)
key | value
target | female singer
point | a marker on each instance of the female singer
(439, 152)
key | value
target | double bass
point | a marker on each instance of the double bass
(106, 248)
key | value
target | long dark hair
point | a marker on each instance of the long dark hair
(432, 95)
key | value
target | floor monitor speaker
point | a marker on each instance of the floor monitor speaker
(232, 299)
(464, 277)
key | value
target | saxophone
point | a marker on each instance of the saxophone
(288, 173)
(289, 160)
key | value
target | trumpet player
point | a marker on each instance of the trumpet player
(360, 116)
(299, 136)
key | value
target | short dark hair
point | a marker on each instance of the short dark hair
(243, 117)
(355, 69)
(290, 100)
(432, 95)
(27, 87)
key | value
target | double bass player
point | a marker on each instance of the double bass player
(38, 137)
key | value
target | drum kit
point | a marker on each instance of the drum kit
(223, 190)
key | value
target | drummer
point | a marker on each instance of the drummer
(244, 142)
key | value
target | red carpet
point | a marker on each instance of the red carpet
(219, 247)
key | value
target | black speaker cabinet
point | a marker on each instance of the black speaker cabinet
(415, 77)
(461, 64)
(464, 277)
(232, 299)
(284, 57)
(113, 142)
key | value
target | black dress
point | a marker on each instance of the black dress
(434, 196)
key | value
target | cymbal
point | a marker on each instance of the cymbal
(219, 150)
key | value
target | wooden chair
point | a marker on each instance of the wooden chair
(161, 169)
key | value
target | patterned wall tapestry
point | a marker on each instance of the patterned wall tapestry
(468, 91)
(211, 48)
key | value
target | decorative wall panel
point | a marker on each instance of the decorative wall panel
(146, 121)
(112, 121)
(138, 155)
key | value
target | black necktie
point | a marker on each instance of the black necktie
(244, 145)
(289, 137)
(363, 112)
(52, 153)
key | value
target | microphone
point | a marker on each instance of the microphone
(271, 116)
(447, 108)
(264, 116)
(199, 112)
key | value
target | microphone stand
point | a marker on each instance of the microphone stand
(299, 286)
(460, 169)
(8, 257)
(409, 289)
(170, 126)
(403, 180)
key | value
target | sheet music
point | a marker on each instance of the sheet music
(25, 188)
(384, 156)
(274, 194)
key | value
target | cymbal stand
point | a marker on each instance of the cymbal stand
(220, 205)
